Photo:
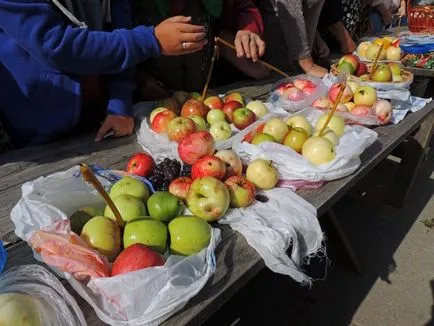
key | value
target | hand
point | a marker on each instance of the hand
(176, 36)
(386, 16)
(121, 125)
(249, 45)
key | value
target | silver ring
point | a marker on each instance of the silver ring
(184, 45)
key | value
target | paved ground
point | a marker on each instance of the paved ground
(397, 253)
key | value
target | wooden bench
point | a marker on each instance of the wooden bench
(237, 262)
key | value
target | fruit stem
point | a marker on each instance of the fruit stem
(333, 110)
(208, 77)
(377, 57)
(90, 178)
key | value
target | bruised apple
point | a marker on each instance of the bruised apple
(196, 146)
(241, 191)
(208, 166)
(383, 111)
(194, 107)
(180, 186)
(232, 161)
(179, 128)
(136, 257)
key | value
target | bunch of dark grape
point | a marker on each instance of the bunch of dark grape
(163, 174)
(186, 170)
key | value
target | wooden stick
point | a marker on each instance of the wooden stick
(208, 77)
(284, 74)
(333, 110)
(374, 66)
(90, 178)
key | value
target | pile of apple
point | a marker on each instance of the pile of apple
(297, 90)
(358, 100)
(184, 114)
(391, 50)
(296, 132)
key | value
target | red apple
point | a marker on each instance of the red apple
(196, 146)
(194, 107)
(363, 69)
(293, 94)
(309, 90)
(172, 104)
(154, 113)
(136, 257)
(322, 103)
(140, 164)
(208, 166)
(232, 160)
(179, 128)
(361, 110)
(334, 91)
(180, 186)
(234, 97)
(301, 84)
(214, 102)
(241, 191)
(229, 108)
(281, 88)
(243, 118)
(350, 59)
(162, 120)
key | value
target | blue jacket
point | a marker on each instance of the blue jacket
(43, 57)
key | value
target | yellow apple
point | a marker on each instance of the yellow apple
(299, 121)
(318, 150)
(337, 124)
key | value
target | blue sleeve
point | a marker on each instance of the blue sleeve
(38, 28)
(121, 86)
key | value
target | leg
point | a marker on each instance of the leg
(415, 151)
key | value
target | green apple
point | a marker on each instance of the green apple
(208, 198)
(382, 73)
(262, 137)
(144, 230)
(221, 130)
(318, 150)
(295, 139)
(164, 206)
(194, 95)
(215, 115)
(276, 128)
(258, 108)
(199, 122)
(337, 124)
(130, 186)
(300, 121)
(103, 234)
(396, 70)
(188, 235)
(129, 207)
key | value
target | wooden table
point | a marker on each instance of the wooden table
(237, 262)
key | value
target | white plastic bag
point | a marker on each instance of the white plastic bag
(55, 305)
(144, 297)
(293, 166)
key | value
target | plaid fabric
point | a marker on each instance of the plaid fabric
(5, 142)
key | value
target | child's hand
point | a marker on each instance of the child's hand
(249, 45)
(120, 125)
(177, 36)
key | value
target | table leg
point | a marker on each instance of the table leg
(416, 150)
(344, 238)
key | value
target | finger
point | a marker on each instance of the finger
(239, 47)
(102, 131)
(254, 49)
(179, 19)
(193, 46)
(261, 46)
(245, 40)
(193, 37)
(189, 28)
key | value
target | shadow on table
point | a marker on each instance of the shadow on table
(375, 229)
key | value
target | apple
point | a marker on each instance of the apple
(171, 104)
(283, 87)
(232, 162)
(334, 91)
(242, 118)
(179, 128)
(136, 257)
(129, 207)
(241, 191)
(140, 164)
(262, 174)
(363, 48)
(180, 96)
(322, 103)
(393, 53)
(299, 121)
(350, 105)
(161, 121)
(146, 231)
(363, 69)
(195, 146)
(189, 235)
(382, 74)
(194, 107)
(276, 128)
(103, 234)
(355, 86)
(294, 94)
(213, 102)
(261, 138)
(365, 77)
(361, 110)
(337, 124)
(215, 115)
(234, 97)
(229, 108)
(342, 107)
(155, 112)
(345, 67)
(258, 108)
(295, 139)
(194, 96)
(330, 135)
(208, 198)
(130, 186)
(180, 186)
(365, 95)
(221, 130)
(199, 122)
(318, 150)
(383, 110)
(395, 68)
(302, 83)
(348, 62)
(21, 309)
(164, 206)
(372, 51)
(309, 90)
(249, 136)
(208, 166)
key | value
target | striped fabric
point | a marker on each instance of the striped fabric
(5, 142)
